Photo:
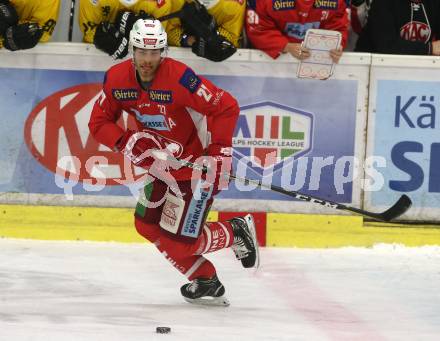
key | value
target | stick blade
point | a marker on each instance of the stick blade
(400, 207)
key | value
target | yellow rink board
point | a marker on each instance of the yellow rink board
(325, 231)
(284, 230)
(70, 223)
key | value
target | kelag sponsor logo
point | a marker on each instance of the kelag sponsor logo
(57, 135)
(268, 134)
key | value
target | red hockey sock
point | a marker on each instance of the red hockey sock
(216, 236)
(181, 257)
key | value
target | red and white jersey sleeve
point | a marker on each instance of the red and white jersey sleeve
(106, 112)
(202, 97)
(271, 24)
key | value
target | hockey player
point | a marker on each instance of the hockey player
(358, 13)
(280, 26)
(23, 24)
(107, 23)
(402, 27)
(185, 115)
(212, 28)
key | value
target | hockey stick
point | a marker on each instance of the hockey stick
(400, 206)
(176, 14)
(72, 14)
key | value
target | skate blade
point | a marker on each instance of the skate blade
(209, 301)
(250, 222)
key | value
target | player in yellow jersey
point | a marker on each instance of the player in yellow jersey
(24, 23)
(212, 28)
(107, 23)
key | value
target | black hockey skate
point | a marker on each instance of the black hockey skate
(245, 245)
(205, 291)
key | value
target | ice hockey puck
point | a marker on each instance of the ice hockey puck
(163, 330)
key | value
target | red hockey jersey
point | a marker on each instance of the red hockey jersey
(271, 24)
(180, 107)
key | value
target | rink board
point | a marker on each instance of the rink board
(273, 229)
(52, 89)
(404, 129)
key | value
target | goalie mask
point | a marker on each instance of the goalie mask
(148, 34)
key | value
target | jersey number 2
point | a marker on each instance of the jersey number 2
(204, 92)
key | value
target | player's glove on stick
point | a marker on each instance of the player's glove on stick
(219, 165)
(108, 39)
(8, 16)
(22, 36)
(138, 147)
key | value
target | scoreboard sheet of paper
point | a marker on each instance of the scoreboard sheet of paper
(319, 65)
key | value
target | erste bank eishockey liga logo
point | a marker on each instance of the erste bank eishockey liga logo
(270, 134)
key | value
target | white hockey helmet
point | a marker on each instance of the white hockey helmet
(148, 34)
(128, 3)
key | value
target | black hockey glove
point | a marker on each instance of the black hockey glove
(197, 21)
(217, 48)
(23, 36)
(8, 16)
(125, 20)
(108, 39)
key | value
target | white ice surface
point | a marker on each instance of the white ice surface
(108, 291)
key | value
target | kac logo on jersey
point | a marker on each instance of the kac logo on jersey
(161, 96)
(415, 31)
(298, 31)
(282, 5)
(156, 122)
(269, 134)
(326, 4)
(125, 94)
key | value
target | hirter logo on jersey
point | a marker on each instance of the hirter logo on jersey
(415, 31)
(270, 134)
(150, 41)
(326, 4)
(161, 96)
(282, 5)
(125, 94)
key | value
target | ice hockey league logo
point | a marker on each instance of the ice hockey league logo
(270, 134)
